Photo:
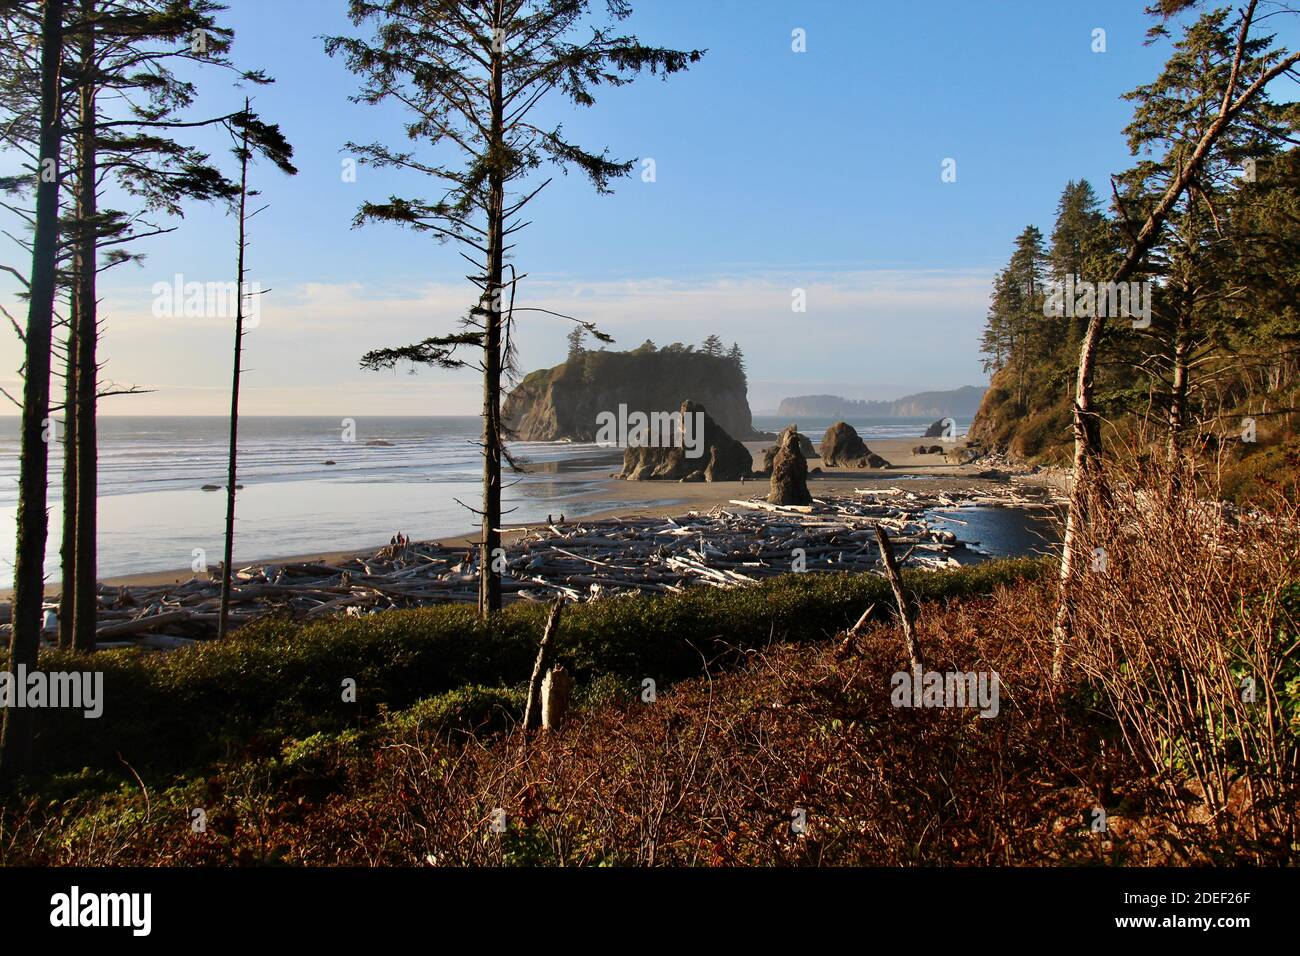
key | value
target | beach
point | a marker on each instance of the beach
(921, 473)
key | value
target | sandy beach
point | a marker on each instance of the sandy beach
(929, 472)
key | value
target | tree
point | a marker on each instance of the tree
(255, 137)
(1080, 239)
(1014, 334)
(713, 346)
(1169, 116)
(737, 357)
(32, 518)
(575, 337)
(124, 48)
(471, 73)
(1236, 96)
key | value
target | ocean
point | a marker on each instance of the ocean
(385, 475)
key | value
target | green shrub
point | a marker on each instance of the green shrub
(276, 679)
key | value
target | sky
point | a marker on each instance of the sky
(774, 171)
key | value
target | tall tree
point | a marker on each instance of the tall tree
(1237, 94)
(472, 73)
(126, 49)
(32, 518)
(255, 137)
(713, 346)
(1169, 116)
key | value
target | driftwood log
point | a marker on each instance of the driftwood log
(728, 546)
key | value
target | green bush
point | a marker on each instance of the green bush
(166, 713)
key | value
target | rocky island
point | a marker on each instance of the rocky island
(563, 402)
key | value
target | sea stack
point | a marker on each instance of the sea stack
(789, 472)
(842, 446)
(710, 455)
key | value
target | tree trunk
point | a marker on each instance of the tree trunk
(32, 516)
(68, 549)
(489, 597)
(1178, 392)
(85, 595)
(1087, 451)
(234, 388)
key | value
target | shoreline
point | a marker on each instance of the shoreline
(928, 472)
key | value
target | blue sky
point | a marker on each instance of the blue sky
(775, 170)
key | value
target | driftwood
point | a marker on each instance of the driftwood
(906, 611)
(732, 545)
(545, 650)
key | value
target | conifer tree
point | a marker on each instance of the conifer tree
(471, 74)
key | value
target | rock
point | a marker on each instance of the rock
(210, 488)
(805, 446)
(379, 443)
(919, 450)
(693, 476)
(935, 450)
(842, 446)
(789, 472)
(726, 459)
(569, 400)
(936, 430)
(330, 461)
(960, 456)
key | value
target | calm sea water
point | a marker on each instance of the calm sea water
(868, 428)
(386, 475)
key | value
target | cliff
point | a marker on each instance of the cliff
(564, 401)
(959, 403)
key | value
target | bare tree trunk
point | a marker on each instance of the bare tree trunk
(85, 592)
(489, 597)
(1178, 393)
(1087, 451)
(906, 613)
(68, 549)
(32, 517)
(234, 387)
(545, 651)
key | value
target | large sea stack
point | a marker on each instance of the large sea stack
(721, 457)
(565, 401)
(789, 472)
(843, 447)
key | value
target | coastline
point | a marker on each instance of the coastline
(928, 472)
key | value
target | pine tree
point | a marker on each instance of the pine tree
(472, 74)
(1169, 117)
(255, 138)
(575, 339)
(1236, 93)
(713, 346)
(32, 518)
